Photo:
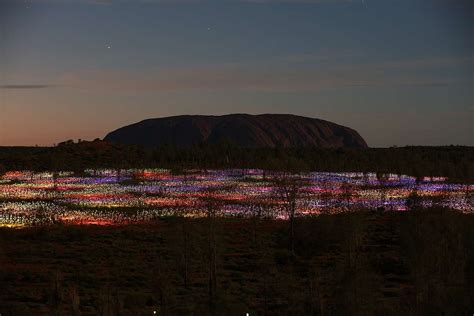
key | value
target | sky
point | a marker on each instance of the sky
(400, 72)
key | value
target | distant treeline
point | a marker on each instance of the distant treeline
(454, 162)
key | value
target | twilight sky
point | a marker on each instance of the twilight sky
(398, 71)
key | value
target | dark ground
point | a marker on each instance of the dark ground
(366, 263)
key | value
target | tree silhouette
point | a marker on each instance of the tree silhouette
(212, 206)
(288, 188)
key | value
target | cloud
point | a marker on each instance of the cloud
(107, 2)
(264, 78)
(449, 3)
(25, 86)
(102, 2)
(295, 1)
(295, 73)
(428, 63)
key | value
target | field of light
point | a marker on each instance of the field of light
(116, 197)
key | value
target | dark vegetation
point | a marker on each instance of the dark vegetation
(455, 162)
(363, 263)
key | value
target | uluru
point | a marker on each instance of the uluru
(265, 130)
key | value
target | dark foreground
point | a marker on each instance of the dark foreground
(367, 263)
